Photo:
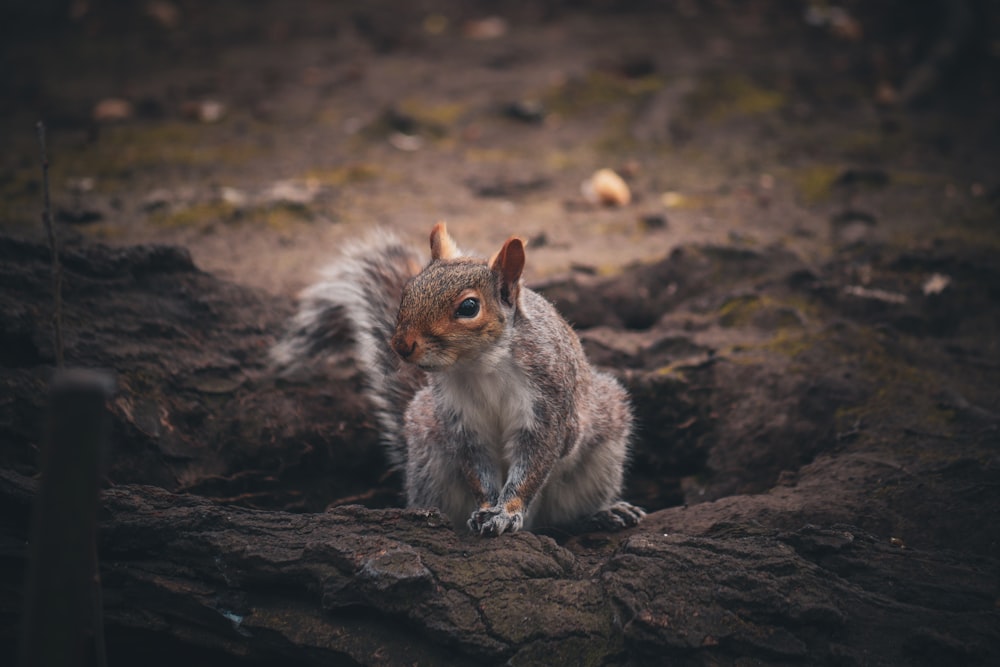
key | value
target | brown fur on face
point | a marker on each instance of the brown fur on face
(429, 331)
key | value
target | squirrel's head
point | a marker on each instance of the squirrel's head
(458, 308)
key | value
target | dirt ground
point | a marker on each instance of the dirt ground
(261, 139)
(801, 293)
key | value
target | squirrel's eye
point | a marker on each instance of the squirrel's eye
(468, 308)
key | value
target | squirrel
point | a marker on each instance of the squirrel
(483, 394)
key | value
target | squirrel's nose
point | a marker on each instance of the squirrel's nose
(404, 348)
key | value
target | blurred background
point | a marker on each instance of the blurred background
(260, 135)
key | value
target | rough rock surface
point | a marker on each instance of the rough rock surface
(853, 463)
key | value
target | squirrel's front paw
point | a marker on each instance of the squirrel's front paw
(495, 520)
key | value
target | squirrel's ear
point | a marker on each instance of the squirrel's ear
(509, 263)
(442, 245)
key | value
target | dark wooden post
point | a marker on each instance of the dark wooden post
(62, 620)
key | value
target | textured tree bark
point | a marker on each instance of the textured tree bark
(401, 587)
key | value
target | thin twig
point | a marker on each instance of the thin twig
(53, 247)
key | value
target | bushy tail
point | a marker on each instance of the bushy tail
(362, 291)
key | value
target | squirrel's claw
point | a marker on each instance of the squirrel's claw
(495, 521)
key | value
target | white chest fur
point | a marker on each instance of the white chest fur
(494, 402)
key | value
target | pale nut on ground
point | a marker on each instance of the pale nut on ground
(606, 187)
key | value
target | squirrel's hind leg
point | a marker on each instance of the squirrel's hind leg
(618, 516)
(585, 488)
